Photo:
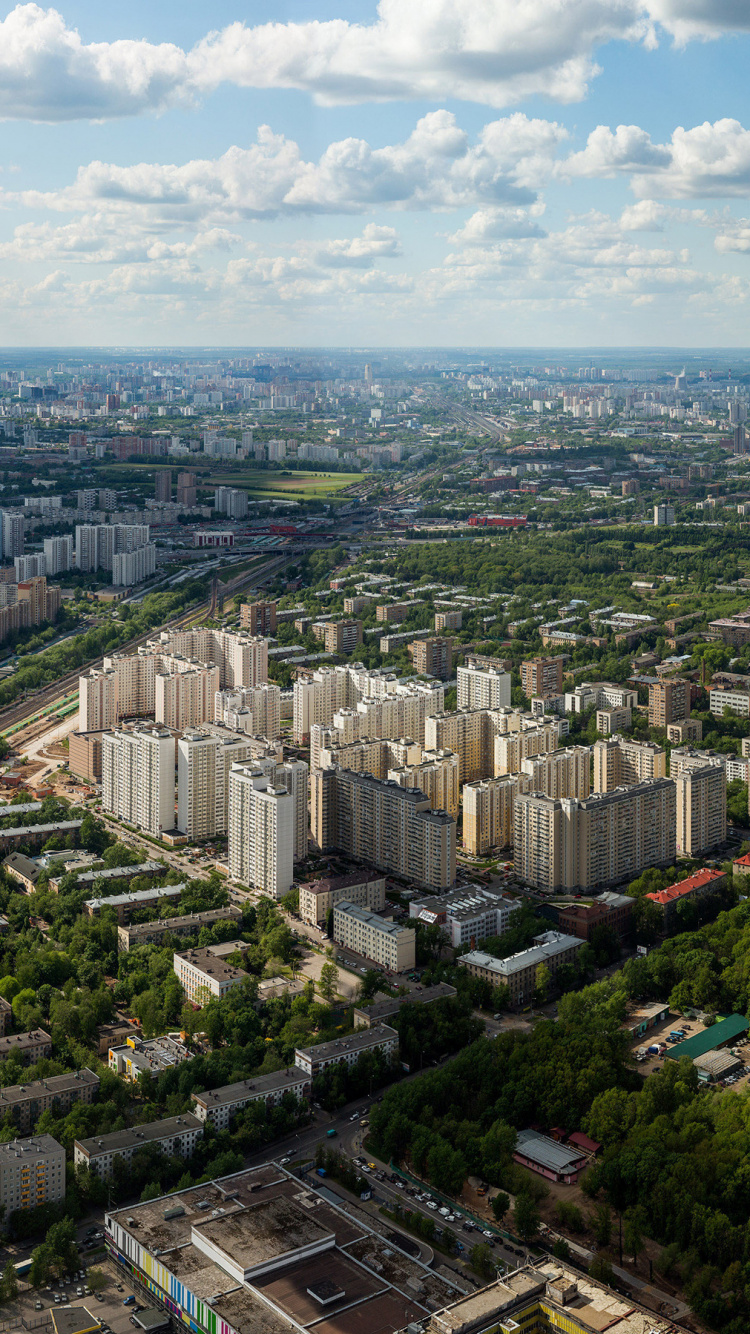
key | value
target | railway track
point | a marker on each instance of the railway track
(56, 692)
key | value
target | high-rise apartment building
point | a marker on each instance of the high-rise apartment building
(620, 762)
(488, 813)
(469, 734)
(485, 687)
(163, 486)
(252, 709)
(12, 534)
(387, 826)
(58, 554)
(294, 776)
(258, 618)
(230, 500)
(448, 620)
(571, 845)
(261, 832)
(542, 676)
(98, 701)
(435, 774)
(138, 778)
(510, 749)
(187, 493)
(433, 657)
(132, 567)
(204, 763)
(341, 636)
(385, 706)
(185, 699)
(30, 567)
(668, 702)
(701, 808)
(663, 516)
(563, 773)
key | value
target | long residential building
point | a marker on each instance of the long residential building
(152, 933)
(317, 898)
(561, 773)
(384, 825)
(124, 905)
(620, 762)
(138, 778)
(261, 832)
(519, 973)
(175, 1136)
(25, 1103)
(511, 750)
(204, 763)
(347, 1050)
(603, 840)
(29, 1047)
(219, 1106)
(386, 943)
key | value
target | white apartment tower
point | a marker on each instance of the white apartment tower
(98, 701)
(138, 778)
(58, 553)
(185, 699)
(293, 775)
(483, 686)
(261, 832)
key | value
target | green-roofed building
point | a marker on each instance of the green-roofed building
(719, 1035)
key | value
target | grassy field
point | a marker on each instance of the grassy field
(305, 485)
(261, 483)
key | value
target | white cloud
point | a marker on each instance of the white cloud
(708, 161)
(606, 153)
(359, 252)
(688, 20)
(494, 224)
(437, 167)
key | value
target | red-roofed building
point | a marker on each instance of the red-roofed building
(581, 1141)
(694, 887)
(741, 865)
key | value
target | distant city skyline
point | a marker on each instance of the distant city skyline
(486, 173)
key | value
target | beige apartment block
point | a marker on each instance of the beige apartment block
(364, 888)
(32, 1172)
(85, 755)
(436, 775)
(448, 620)
(255, 710)
(701, 809)
(258, 618)
(488, 814)
(613, 720)
(594, 843)
(394, 612)
(690, 729)
(668, 702)
(203, 974)
(620, 762)
(384, 825)
(138, 777)
(511, 750)
(185, 699)
(341, 636)
(563, 773)
(467, 733)
(374, 937)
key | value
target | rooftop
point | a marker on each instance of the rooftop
(41, 1088)
(551, 943)
(138, 896)
(21, 1040)
(35, 1147)
(371, 919)
(358, 1041)
(694, 882)
(548, 1152)
(228, 1094)
(121, 872)
(205, 961)
(59, 827)
(254, 1235)
(711, 1038)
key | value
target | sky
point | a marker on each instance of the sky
(404, 173)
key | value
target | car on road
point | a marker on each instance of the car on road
(486, 1232)
(283, 1161)
(431, 1204)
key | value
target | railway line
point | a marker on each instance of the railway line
(45, 703)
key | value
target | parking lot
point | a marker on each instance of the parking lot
(70, 1291)
(659, 1034)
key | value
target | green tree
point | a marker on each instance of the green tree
(329, 980)
(9, 1283)
(526, 1217)
(500, 1205)
(480, 1259)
